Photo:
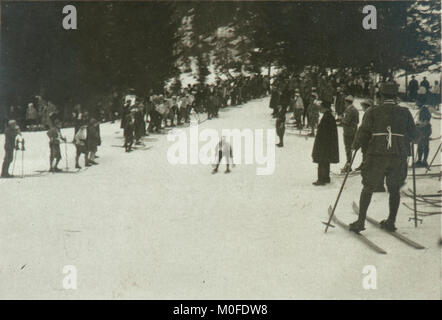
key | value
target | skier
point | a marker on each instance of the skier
(11, 133)
(350, 123)
(280, 124)
(55, 138)
(385, 133)
(325, 147)
(223, 149)
(424, 126)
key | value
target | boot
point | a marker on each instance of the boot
(388, 225)
(319, 183)
(418, 164)
(356, 226)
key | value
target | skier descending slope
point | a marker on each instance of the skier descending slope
(223, 149)
(385, 134)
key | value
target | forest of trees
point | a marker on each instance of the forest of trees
(140, 45)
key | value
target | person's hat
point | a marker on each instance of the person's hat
(12, 122)
(367, 102)
(389, 88)
(297, 91)
(326, 106)
(349, 98)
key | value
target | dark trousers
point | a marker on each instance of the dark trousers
(324, 171)
(220, 157)
(9, 155)
(348, 141)
(423, 148)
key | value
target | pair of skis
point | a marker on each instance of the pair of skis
(43, 172)
(376, 223)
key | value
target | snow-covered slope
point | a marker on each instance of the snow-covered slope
(136, 226)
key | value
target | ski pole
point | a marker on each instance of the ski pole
(66, 154)
(22, 162)
(15, 157)
(415, 218)
(339, 194)
(432, 160)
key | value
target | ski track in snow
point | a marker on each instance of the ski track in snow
(137, 227)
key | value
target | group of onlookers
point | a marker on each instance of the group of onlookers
(423, 93)
(141, 116)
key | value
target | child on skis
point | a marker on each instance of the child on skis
(55, 138)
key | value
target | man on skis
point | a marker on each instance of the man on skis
(385, 134)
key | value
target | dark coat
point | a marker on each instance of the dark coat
(326, 148)
(376, 120)
(350, 121)
(10, 135)
(274, 100)
(93, 137)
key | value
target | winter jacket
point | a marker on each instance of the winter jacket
(378, 122)
(10, 135)
(350, 121)
(297, 103)
(325, 147)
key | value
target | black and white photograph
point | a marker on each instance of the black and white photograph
(220, 150)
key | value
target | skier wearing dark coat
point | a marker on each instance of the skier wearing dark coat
(326, 147)
(11, 132)
(385, 134)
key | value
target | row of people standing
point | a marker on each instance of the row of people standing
(423, 93)
(142, 116)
